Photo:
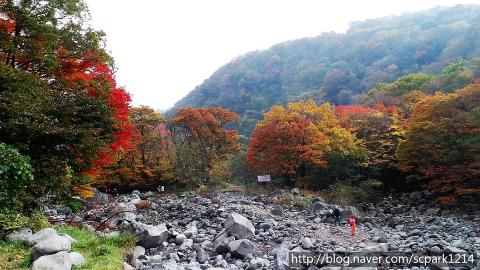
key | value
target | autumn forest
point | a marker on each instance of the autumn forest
(356, 123)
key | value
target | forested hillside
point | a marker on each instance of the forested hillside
(338, 67)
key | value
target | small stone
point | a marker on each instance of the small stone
(127, 266)
(179, 239)
(137, 252)
(187, 244)
(306, 243)
(277, 210)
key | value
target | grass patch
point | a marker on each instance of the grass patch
(14, 256)
(101, 253)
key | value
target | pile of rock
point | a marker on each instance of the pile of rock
(238, 231)
(161, 248)
(51, 250)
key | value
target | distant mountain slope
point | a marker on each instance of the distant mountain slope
(339, 67)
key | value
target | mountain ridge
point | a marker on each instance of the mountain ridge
(339, 67)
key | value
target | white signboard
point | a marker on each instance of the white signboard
(264, 178)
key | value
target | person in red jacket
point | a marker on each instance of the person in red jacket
(353, 223)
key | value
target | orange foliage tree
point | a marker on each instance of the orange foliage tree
(441, 149)
(202, 141)
(149, 162)
(381, 129)
(288, 139)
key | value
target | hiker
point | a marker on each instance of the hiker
(353, 223)
(336, 213)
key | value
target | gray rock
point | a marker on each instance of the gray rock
(382, 247)
(127, 266)
(295, 191)
(453, 250)
(191, 266)
(41, 235)
(126, 212)
(239, 226)
(282, 261)
(258, 263)
(155, 259)
(170, 265)
(147, 195)
(241, 248)
(435, 250)
(57, 261)
(52, 245)
(77, 259)
(153, 236)
(21, 235)
(202, 255)
(306, 243)
(220, 244)
(68, 237)
(179, 239)
(433, 211)
(187, 244)
(318, 206)
(137, 252)
(396, 221)
(277, 210)
(414, 232)
(347, 211)
(191, 230)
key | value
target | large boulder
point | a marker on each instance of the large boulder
(239, 226)
(41, 235)
(153, 236)
(241, 248)
(57, 261)
(347, 211)
(318, 207)
(20, 235)
(52, 245)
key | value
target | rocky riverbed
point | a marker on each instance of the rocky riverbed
(236, 231)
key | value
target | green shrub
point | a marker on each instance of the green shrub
(11, 221)
(15, 175)
(38, 221)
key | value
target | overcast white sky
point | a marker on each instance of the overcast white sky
(164, 48)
